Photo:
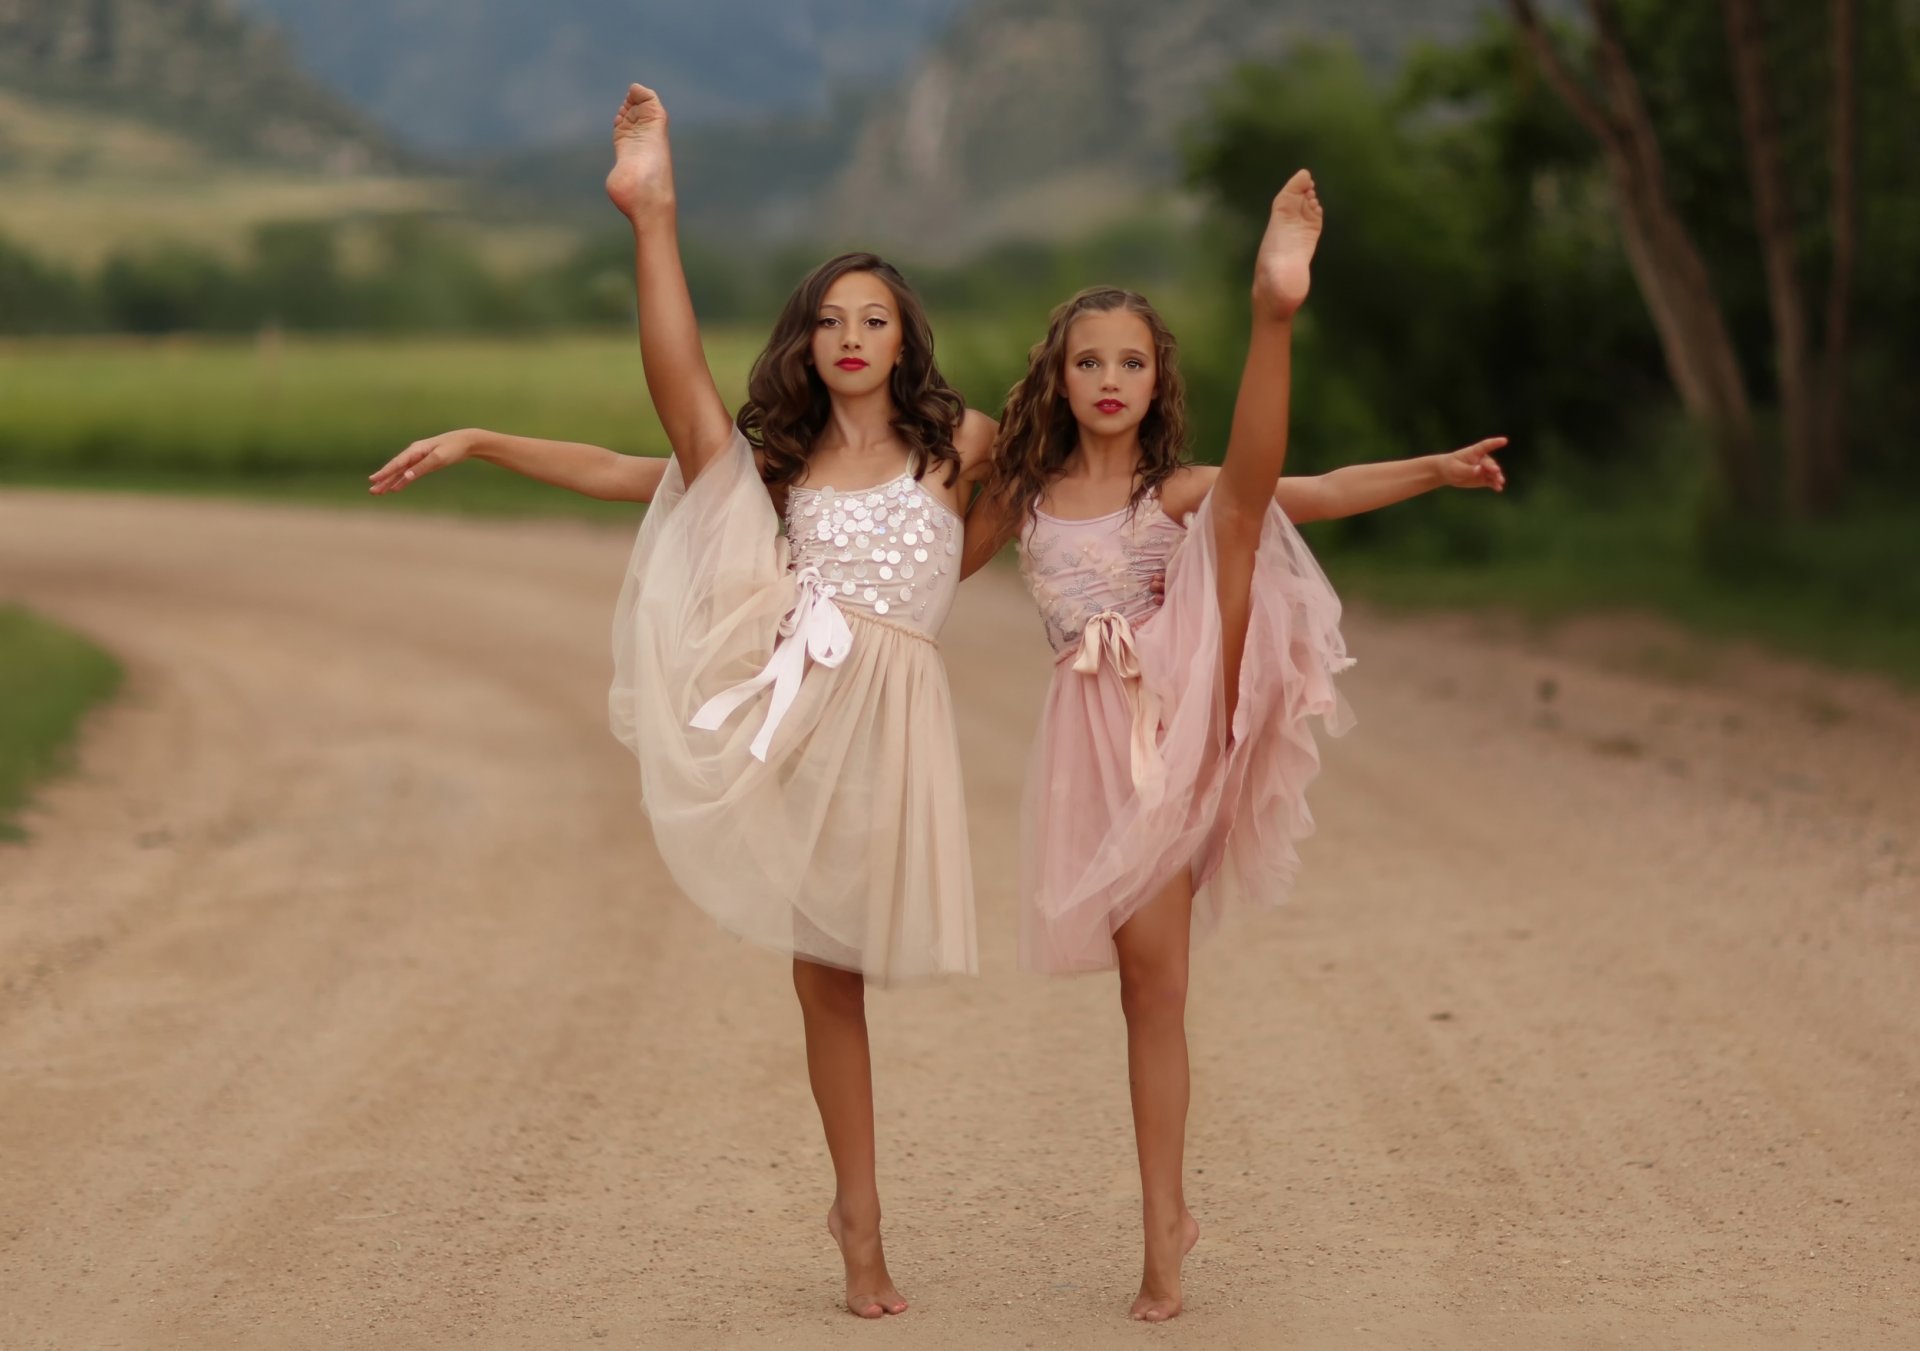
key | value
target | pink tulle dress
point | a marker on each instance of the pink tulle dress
(1135, 776)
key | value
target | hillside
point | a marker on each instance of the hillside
(934, 125)
(139, 124)
(199, 70)
(1025, 117)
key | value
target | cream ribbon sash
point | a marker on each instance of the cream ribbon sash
(1108, 637)
(814, 629)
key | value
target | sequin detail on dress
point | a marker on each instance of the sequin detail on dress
(892, 551)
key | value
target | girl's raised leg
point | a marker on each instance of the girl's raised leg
(833, 1005)
(1153, 995)
(640, 184)
(1257, 444)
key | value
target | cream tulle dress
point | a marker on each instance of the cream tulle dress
(790, 712)
(1136, 776)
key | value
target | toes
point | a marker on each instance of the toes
(1300, 185)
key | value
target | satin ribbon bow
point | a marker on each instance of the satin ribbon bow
(814, 629)
(1108, 637)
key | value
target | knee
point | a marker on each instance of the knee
(828, 989)
(1153, 989)
(1237, 532)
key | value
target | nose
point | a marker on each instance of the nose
(849, 338)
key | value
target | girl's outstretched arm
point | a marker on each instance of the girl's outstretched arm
(593, 471)
(641, 185)
(1359, 488)
(1257, 443)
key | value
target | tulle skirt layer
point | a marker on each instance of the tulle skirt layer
(1120, 802)
(847, 844)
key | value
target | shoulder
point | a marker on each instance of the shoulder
(973, 438)
(1182, 493)
(973, 442)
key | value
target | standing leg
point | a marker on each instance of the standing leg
(833, 1004)
(1153, 996)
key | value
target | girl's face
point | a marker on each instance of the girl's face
(1110, 375)
(857, 335)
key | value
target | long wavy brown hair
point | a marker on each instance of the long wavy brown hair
(787, 402)
(1038, 434)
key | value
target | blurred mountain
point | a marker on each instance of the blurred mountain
(1022, 118)
(1046, 116)
(201, 70)
(939, 125)
(460, 76)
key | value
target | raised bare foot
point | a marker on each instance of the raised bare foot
(1159, 1297)
(870, 1290)
(1283, 271)
(641, 180)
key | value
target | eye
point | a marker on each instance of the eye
(875, 321)
(827, 321)
(1135, 363)
(1086, 363)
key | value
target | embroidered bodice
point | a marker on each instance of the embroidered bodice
(1078, 569)
(892, 551)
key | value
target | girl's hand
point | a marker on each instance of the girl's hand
(1475, 467)
(422, 458)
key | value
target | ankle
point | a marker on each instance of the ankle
(1159, 1218)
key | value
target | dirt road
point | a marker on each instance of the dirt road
(344, 1002)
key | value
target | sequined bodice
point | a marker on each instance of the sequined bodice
(892, 550)
(1078, 569)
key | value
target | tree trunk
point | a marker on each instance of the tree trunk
(1830, 473)
(1667, 264)
(1773, 222)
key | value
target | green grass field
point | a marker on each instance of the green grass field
(49, 678)
(308, 419)
(311, 418)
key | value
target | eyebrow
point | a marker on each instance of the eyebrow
(870, 305)
(1094, 352)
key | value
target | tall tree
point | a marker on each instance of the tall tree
(1830, 469)
(1774, 224)
(1667, 263)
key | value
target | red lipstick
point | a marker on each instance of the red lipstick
(1111, 406)
(851, 364)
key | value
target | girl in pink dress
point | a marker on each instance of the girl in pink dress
(1168, 780)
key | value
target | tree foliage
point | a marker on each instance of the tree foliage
(1478, 271)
